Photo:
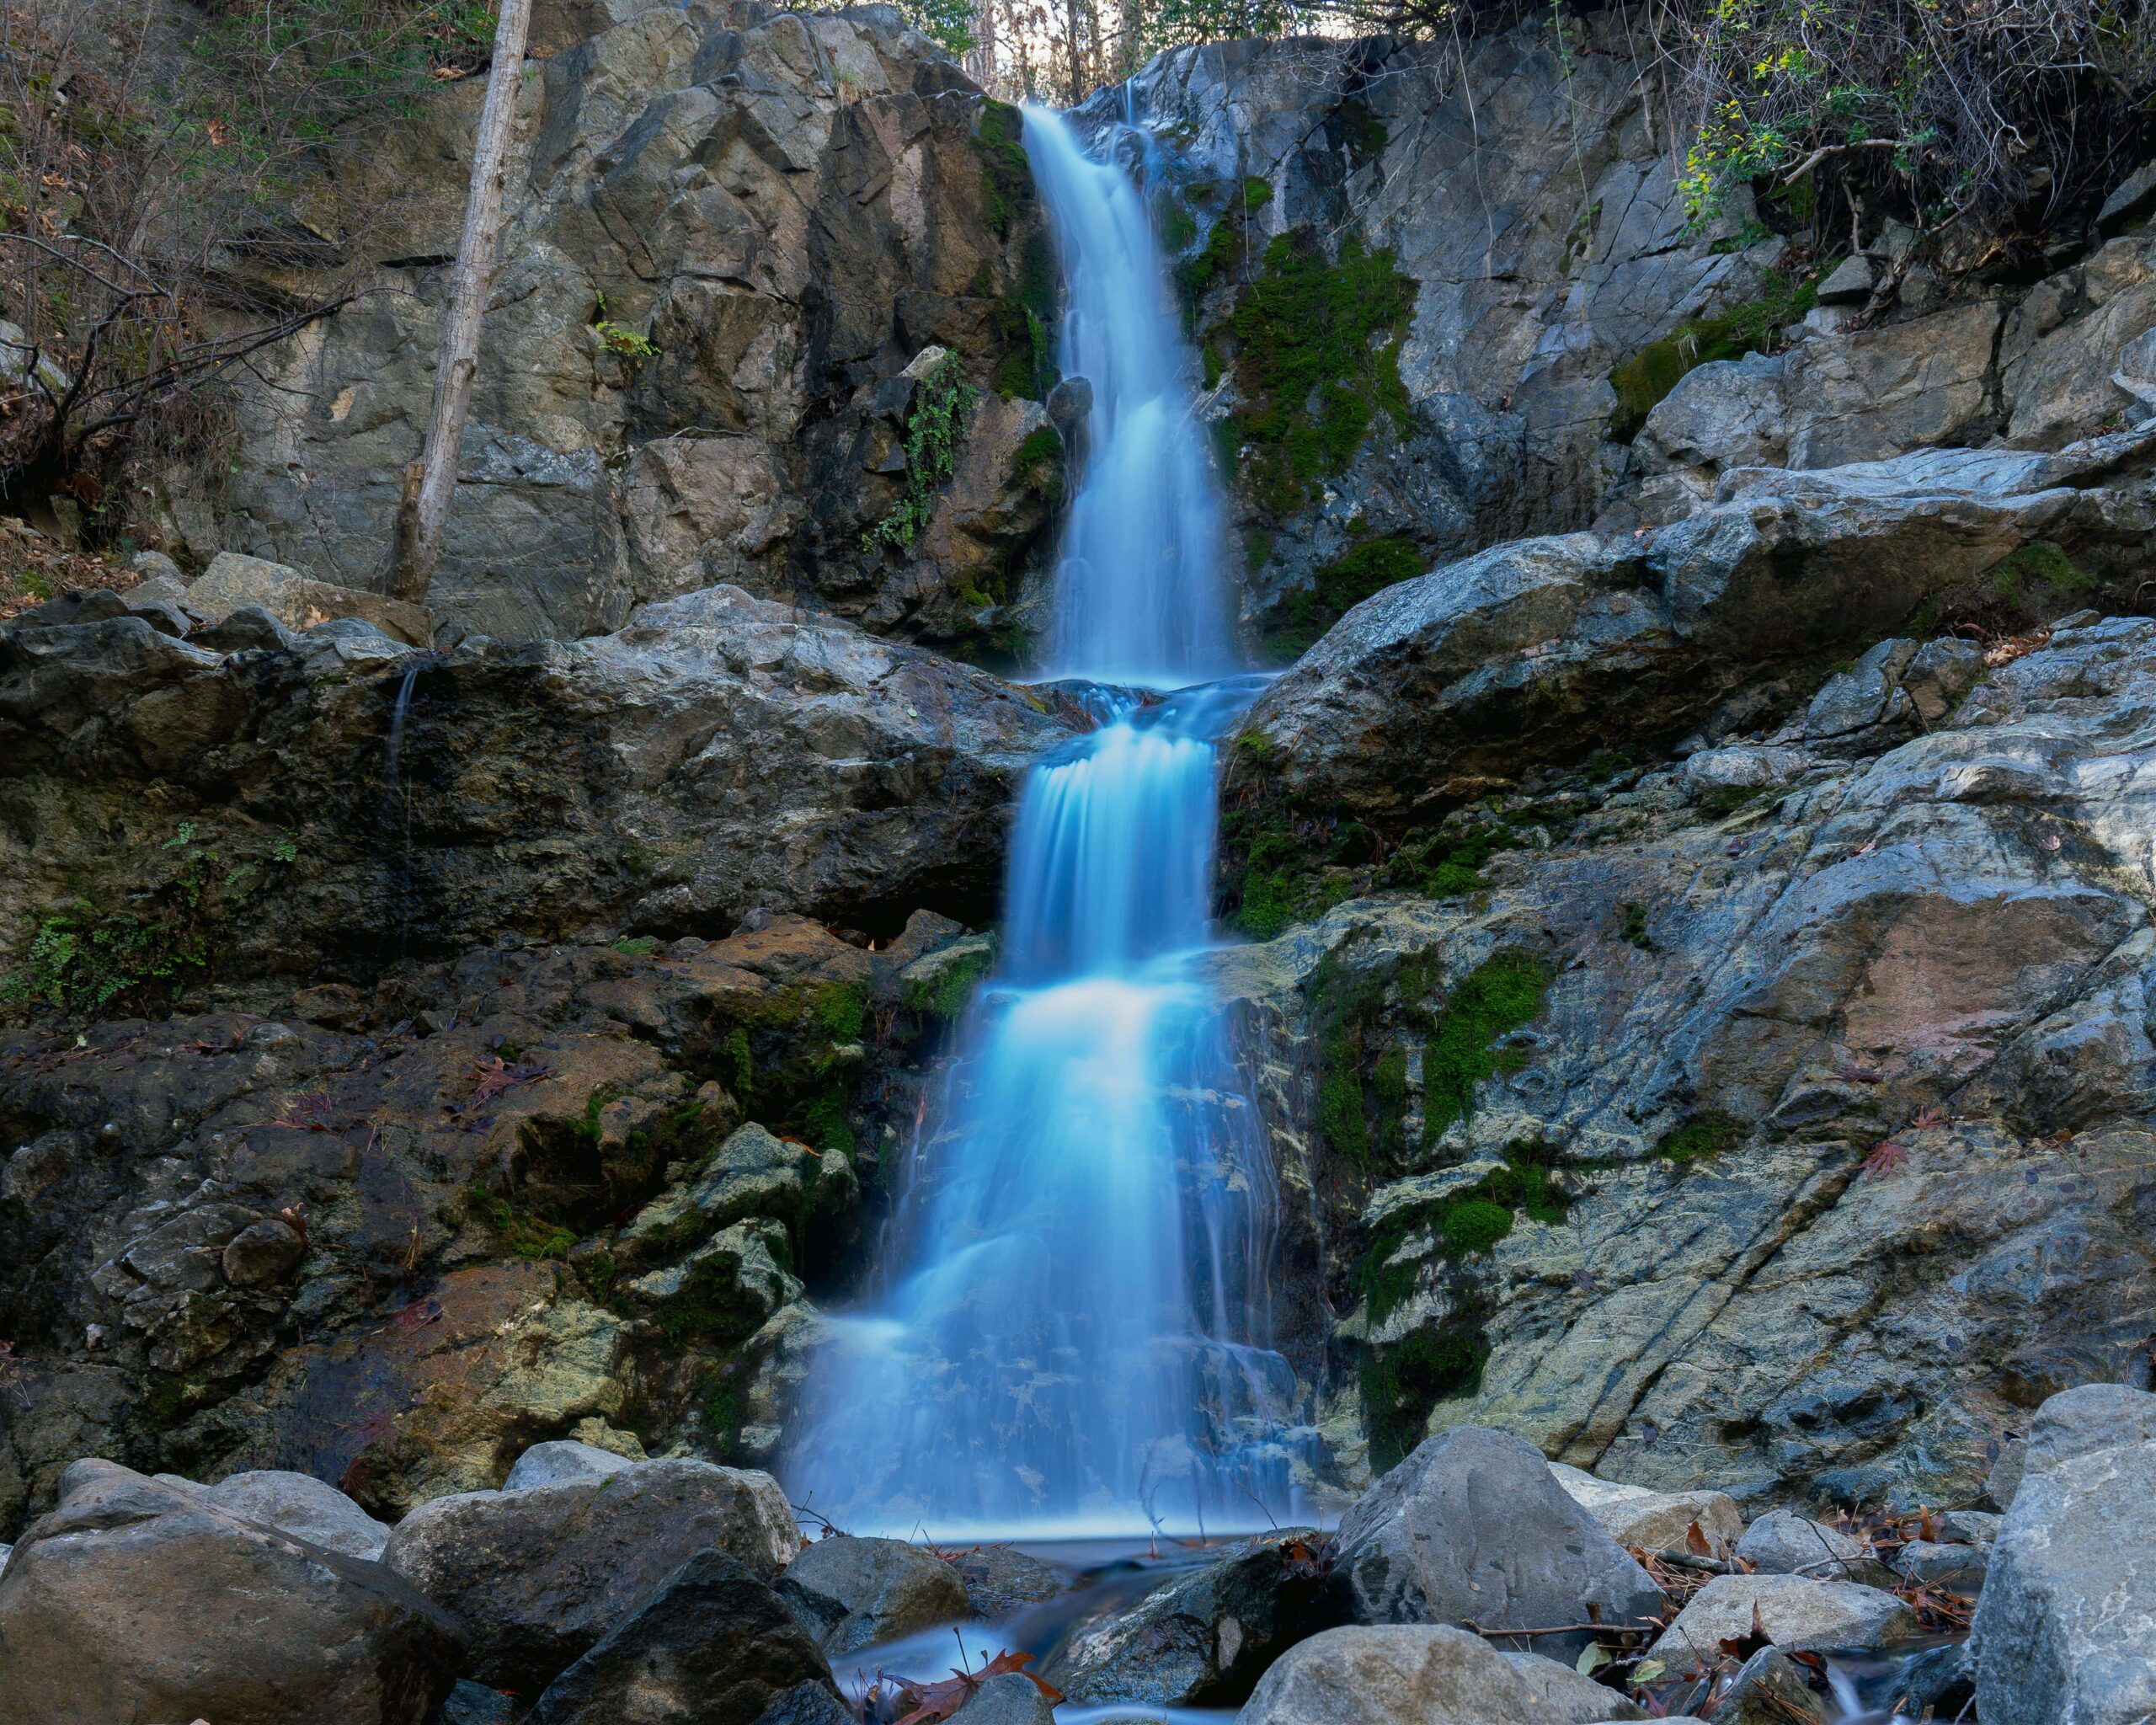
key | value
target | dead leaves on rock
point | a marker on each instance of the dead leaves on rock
(909, 1703)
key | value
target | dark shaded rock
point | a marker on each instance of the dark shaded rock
(711, 1644)
(848, 1593)
(540, 1575)
(140, 1600)
(474, 1704)
(1956, 1569)
(1471, 1529)
(1769, 1690)
(1205, 1638)
(1941, 1679)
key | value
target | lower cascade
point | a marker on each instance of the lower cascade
(1073, 1332)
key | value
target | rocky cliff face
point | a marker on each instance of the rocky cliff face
(730, 231)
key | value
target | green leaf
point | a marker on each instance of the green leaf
(1592, 1657)
(1647, 1670)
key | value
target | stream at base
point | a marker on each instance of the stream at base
(1069, 1330)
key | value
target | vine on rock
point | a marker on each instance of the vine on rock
(936, 425)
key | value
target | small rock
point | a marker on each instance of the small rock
(1471, 1529)
(1653, 1521)
(1941, 1681)
(1799, 1615)
(849, 1593)
(1971, 1527)
(752, 1174)
(562, 1459)
(1959, 1569)
(263, 1253)
(1769, 1690)
(2132, 198)
(1012, 1699)
(474, 1704)
(1854, 699)
(712, 1643)
(594, 1431)
(539, 1574)
(1568, 1698)
(1939, 675)
(1709, 771)
(154, 566)
(299, 1504)
(1389, 1674)
(1849, 282)
(1001, 1580)
(1782, 1542)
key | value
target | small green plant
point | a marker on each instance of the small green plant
(1368, 566)
(1632, 925)
(1644, 379)
(516, 1229)
(942, 407)
(637, 946)
(618, 339)
(1037, 462)
(1502, 995)
(2037, 573)
(1701, 1139)
(1475, 1224)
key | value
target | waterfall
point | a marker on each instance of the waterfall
(1071, 1330)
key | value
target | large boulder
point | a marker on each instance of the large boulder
(1470, 1529)
(709, 1644)
(301, 1505)
(1205, 1637)
(848, 1593)
(2065, 1629)
(1639, 1518)
(1385, 1674)
(540, 1575)
(1447, 685)
(1796, 1614)
(137, 1599)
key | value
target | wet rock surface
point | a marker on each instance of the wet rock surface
(847, 1593)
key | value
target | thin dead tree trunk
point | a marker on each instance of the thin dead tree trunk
(430, 481)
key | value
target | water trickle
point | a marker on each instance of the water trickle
(1072, 1330)
(400, 797)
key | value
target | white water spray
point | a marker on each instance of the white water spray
(1073, 1332)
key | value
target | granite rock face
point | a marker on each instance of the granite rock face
(1881, 1043)
(727, 231)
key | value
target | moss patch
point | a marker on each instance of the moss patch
(2037, 574)
(1646, 377)
(1006, 177)
(1317, 356)
(1367, 566)
(1500, 995)
(1701, 1139)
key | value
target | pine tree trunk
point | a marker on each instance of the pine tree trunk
(430, 481)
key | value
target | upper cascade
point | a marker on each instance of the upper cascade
(1140, 595)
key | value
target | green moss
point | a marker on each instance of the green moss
(516, 1229)
(1006, 177)
(1368, 566)
(1500, 995)
(1642, 380)
(1701, 1138)
(640, 946)
(2037, 573)
(1632, 925)
(1038, 463)
(739, 1063)
(1475, 1224)
(826, 1119)
(1361, 130)
(1447, 864)
(842, 1009)
(945, 997)
(1401, 1383)
(1317, 347)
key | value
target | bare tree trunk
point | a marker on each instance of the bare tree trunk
(430, 481)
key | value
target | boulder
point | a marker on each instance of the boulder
(1383, 1674)
(709, 1644)
(561, 1461)
(538, 1575)
(1205, 1637)
(301, 1505)
(1654, 1521)
(1854, 699)
(234, 581)
(752, 1174)
(1782, 1542)
(1471, 1529)
(1569, 1698)
(1955, 1568)
(2088, 1418)
(1770, 1689)
(474, 1704)
(141, 1600)
(725, 1288)
(849, 1593)
(2065, 1629)
(1799, 1615)
(1941, 1681)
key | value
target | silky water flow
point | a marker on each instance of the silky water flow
(1071, 1331)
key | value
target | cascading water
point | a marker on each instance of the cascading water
(1072, 1331)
